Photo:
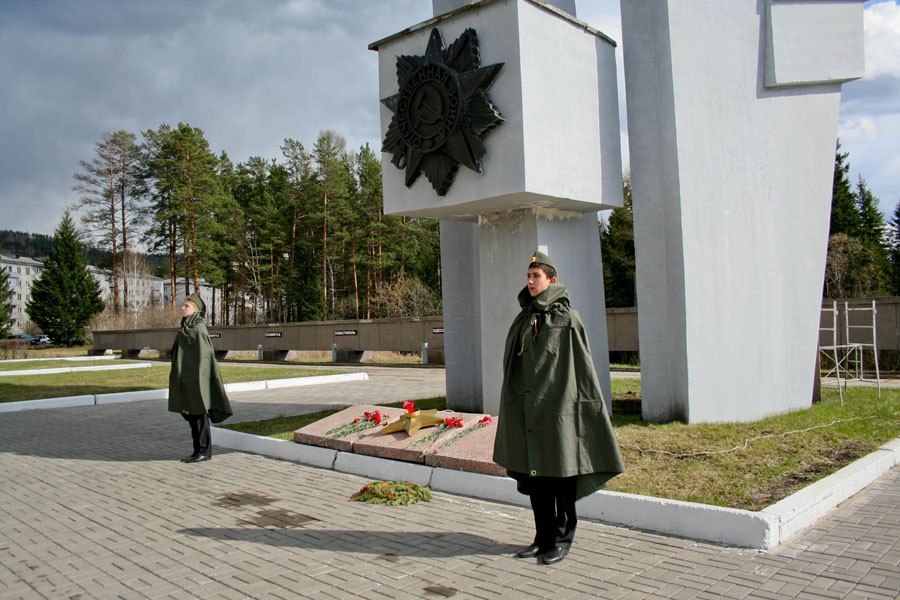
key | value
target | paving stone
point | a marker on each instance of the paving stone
(99, 505)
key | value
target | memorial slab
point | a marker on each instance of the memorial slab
(466, 447)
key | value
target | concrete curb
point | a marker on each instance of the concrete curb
(65, 402)
(98, 399)
(66, 358)
(761, 530)
(56, 370)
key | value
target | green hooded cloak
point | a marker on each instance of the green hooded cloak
(553, 421)
(195, 384)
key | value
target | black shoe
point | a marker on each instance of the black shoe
(529, 552)
(190, 458)
(555, 555)
(197, 458)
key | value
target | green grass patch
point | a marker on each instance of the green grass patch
(751, 465)
(33, 387)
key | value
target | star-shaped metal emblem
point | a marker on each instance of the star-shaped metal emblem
(442, 111)
(414, 421)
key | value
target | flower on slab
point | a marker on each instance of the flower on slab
(482, 422)
(367, 421)
(449, 423)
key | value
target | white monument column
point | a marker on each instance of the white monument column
(732, 122)
(547, 168)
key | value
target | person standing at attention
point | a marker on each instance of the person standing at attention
(554, 436)
(195, 384)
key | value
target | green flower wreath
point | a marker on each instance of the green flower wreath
(392, 492)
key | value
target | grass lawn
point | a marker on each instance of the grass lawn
(32, 387)
(738, 465)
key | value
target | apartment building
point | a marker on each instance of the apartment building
(144, 291)
(22, 272)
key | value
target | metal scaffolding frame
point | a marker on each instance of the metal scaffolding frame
(846, 352)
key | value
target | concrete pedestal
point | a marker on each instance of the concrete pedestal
(549, 167)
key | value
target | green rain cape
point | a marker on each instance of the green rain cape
(195, 384)
(553, 421)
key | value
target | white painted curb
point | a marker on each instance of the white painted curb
(729, 526)
(317, 380)
(6, 407)
(66, 358)
(118, 397)
(801, 510)
(279, 449)
(57, 370)
(91, 400)
(379, 468)
(245, 386)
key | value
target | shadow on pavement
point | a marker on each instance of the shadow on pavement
(385, 544)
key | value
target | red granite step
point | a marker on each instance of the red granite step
(466, 448)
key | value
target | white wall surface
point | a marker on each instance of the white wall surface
(732, 188)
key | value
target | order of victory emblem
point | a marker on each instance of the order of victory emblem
(442, 111)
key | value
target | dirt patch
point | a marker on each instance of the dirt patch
(832, 459)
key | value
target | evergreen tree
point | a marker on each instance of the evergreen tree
(894, 251)
(844, 210)
(66, 295)
(617, 243)
(335, 186)
(872, 233)
(190, 207)
(303, 284)
(5, 304)
(871, 220)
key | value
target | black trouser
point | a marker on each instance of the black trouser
(553, 504)
(200, 433)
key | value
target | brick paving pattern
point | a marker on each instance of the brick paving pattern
(95, 504)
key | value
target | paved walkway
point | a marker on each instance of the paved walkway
(95, 504)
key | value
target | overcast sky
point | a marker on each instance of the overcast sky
(252, 73)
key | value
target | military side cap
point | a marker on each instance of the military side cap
(539, 258)
(196, 299)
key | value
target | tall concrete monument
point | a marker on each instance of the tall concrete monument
(500, 119)
(732, 120)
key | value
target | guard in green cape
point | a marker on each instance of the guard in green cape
(554, 436)
(195, 384)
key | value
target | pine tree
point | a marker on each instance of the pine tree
(5, 304)
(190, 209)
(844, 210)
(894, 250)
(871, 221)
(109, 193)
(617, 244)
(66, 295)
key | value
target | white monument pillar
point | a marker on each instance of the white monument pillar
(548, 168)
(732, 122)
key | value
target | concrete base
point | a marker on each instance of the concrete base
(351, 356)
(481, 284)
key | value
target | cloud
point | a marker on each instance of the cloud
(870, 108)
(250, 74)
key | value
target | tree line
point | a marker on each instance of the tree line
(295, 238)
(863, 249)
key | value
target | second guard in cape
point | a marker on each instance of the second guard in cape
(554, 436)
